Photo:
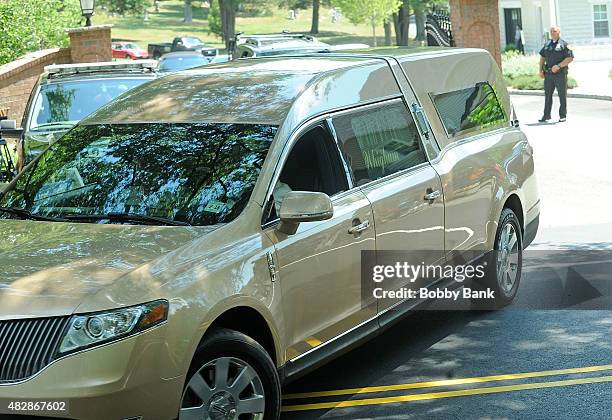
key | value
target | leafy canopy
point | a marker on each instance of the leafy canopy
(31, 25)
(125, 7)
(374, 12)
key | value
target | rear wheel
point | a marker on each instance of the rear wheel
(232, 377)
(504, 263)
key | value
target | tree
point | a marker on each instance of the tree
(214, 19)
(374, 12)
(188, 12)
(227, 9)
(294, 4)
(314, 27)
(31, 25)
(419, 7)
(401, 22)
(124, 7)
(387, 32)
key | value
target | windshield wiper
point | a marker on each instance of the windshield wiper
(25, 214)
(126, 217)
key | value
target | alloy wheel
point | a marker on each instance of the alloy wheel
(508, 249)
(225, 388)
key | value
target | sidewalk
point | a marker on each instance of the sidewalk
(592, 77)
(573, 171)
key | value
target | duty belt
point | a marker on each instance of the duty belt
(549, 69)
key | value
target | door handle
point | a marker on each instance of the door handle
(432, 195)
(359, 228)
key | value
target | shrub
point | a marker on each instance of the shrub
(610, 74)
(533, 82)
(521, 72)
(510, 47)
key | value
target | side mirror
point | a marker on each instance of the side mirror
(303, 206)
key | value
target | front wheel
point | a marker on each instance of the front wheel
(504, 263)
(232, 377)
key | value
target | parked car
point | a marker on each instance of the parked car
(122, 49)
(284, 44)
(184, 60)
(66, 93)
(181, 43)
(202, 234)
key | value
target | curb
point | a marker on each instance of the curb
(569, 94)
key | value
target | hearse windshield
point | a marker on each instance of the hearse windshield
(153, 173)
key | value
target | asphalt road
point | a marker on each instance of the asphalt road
(553, 355)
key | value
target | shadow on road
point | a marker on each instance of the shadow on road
(388, 356)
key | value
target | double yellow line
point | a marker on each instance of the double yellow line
(447, 394)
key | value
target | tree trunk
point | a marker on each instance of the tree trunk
(419, 15)
(314, 27)
(402, 24)
(188, 12)
(396, 28)
(228, 20)
(374, 35)
(387, 33)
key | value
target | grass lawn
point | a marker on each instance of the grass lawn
(164, 26)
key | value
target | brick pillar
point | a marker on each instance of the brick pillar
(90, 44)
(476, 24)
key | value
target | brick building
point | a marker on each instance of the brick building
(476, 24)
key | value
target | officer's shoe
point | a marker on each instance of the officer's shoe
(562, 119)
(544, 119)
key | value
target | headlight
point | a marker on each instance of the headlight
(91, 329)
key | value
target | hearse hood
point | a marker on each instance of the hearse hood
(48, 269)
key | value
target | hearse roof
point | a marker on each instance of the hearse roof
(261, 90)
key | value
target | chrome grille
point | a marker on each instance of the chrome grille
(28, 345)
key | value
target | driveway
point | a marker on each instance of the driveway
(516, 363)
(592, 77)
(574, 170)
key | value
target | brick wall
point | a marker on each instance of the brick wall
(90, 44)
(476, 24)
(18, 77)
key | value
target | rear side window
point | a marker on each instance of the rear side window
(470, 110)
(379, 142)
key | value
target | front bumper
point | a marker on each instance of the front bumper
(115, 381)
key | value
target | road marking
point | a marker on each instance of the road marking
(447, 382)
(446, 394)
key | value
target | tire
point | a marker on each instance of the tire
(504, 265)
(251, 387)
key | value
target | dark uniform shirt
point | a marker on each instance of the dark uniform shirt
(555, 52)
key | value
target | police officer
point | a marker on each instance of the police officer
(555, 56)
